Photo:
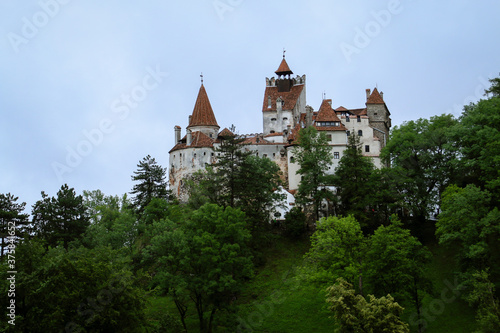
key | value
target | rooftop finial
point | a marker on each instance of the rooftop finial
(284, 53)
(201, 77)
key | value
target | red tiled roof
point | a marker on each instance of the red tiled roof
(358, 112)
(274, 134)
(203, 115)
(198, 140)
(375, 98)
(341, 108)
(283, 69)
(226, 132)
(326, 113)
(289, 97)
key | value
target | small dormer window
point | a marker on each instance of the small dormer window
(272, 132)
(347, 119)
(273, 119)
(285, 119)
(269, 102)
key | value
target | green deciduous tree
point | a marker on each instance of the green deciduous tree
(396, 264)
(205, 260)
(113, 222)
(13, 223)
(337, 250)
(482, 295)
(356, 314)
(151, 179)
(469, 225)
(314, 157)
(75, 290)
(60, 219)
(422, 153)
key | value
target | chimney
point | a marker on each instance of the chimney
(382, 95)
(177, 134)
(189, 120)
(368, 92)
(188, 137)
(309, 114)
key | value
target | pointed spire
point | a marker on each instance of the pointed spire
(283, 69)
(203, 115)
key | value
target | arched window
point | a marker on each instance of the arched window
(348, 133)
(360, 133)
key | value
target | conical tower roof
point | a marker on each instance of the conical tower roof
(283, 69)
(203, 115)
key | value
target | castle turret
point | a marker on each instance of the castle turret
(378, 115)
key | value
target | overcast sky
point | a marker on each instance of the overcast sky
(89, 88)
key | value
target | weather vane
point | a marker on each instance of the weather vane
(201, 77)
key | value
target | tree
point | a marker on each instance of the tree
(355, 314)
(113, 222)
(353, 180)
(75, 290)
(396, 264)
(239, 180)
(295, 223)
(60, 219)
(13, 223)
(231, 155)
(258, 182)
(337, 250)
(152, 183)
(495, 87)
(423, 153)
(478, 139)
(482, 295)
(468, 224)
(205, 259)
(314, 157)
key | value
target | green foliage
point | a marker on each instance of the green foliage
(75, 290)
(152, 183)
(478, 139)
(353, 180)
(238, 180)
(356, 314)
(467, 223)
(482, 295)
(295, 223)
(113, 222)
(13, 223)
(314, 158)
(60, 219)
(205, 259)
(422, 154)
(395, 261)
(337, 250)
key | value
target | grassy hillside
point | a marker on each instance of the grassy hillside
(278, 301)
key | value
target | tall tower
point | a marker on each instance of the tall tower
(284, 100)
(378, 115)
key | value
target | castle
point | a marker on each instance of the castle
(284, 113)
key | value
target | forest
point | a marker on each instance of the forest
(411, 247)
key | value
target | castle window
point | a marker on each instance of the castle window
(265, 155)
(274, 154)
(212, 154)
(348, 133)
(292, 159)
(273, 119)
(336, 155)
(359, 119)
(285, 119)
(347, 119)
(205, 153)
(329, 137)
(360, 133)
(272, 132)
(367, 149)
(374, 113)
